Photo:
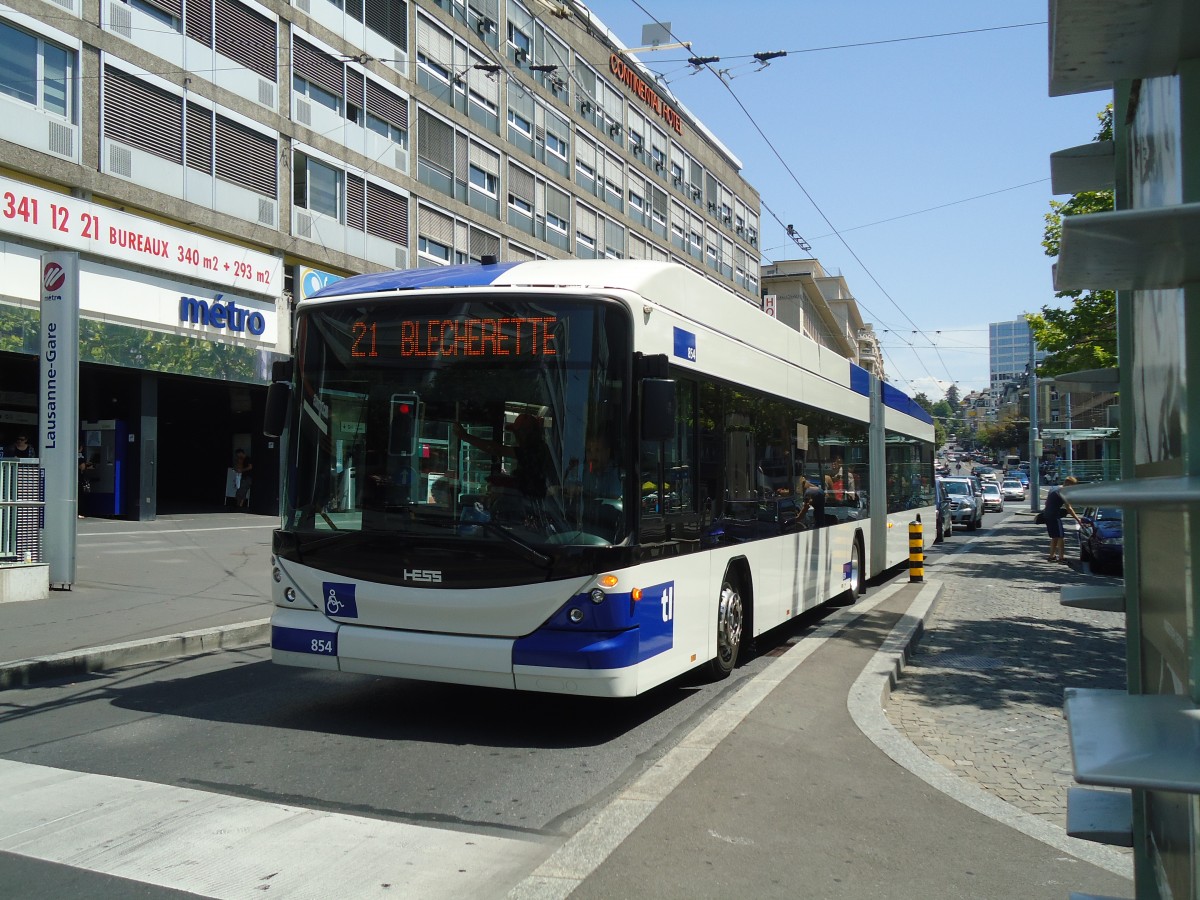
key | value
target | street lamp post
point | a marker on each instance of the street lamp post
(1035, 498)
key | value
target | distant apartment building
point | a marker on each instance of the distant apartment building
(233, 156)
(802, 295)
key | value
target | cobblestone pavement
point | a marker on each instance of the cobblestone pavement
(983, 693)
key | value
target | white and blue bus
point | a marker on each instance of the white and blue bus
(572, 476)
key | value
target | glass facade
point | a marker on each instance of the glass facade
(1008, 351)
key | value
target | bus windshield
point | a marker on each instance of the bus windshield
(497, 420)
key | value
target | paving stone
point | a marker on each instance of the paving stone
(1001, 725)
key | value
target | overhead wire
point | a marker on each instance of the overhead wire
(816, 206)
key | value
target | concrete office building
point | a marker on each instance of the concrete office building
(213, 160)
(804, 296)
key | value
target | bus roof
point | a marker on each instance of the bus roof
(631, 275)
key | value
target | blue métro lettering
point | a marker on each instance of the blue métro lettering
(685, 345)
(227, 315)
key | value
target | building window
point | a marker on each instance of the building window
(316, 93)
(556, 145)
(521, 124)
(483, 181)
(36, 72)
(168, 18)
(520, 204)
(318, 186)
(429, 249)
(520, 42)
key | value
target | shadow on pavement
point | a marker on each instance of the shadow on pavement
(1018, 660)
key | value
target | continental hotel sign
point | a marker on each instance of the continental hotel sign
(634, 82)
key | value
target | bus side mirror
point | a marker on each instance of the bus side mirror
(658, 409)
(279, 396)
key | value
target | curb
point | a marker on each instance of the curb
(865, 703)
(25, 672)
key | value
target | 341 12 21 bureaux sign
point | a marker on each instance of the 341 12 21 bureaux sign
(60, 220)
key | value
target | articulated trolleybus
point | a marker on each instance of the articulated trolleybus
(572, 476)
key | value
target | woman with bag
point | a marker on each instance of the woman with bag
(1056, 509)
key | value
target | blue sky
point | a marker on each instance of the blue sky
(882, 132)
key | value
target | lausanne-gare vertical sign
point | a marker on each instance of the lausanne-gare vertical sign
(58, 410)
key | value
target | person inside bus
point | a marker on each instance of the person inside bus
(814, 499)
(528, 483)
(601, 476)
(835, 481)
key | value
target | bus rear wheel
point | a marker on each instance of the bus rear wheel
(858, 585)
(730, 622)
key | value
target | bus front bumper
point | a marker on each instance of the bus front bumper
(598, 664)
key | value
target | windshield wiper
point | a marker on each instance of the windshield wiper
(528, 550)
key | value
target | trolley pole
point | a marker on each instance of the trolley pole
(916, 551)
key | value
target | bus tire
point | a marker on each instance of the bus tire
(731, 621)
(858, 580)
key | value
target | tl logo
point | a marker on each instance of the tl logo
(668, 604)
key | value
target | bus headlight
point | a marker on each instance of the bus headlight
(575, 614)
(289, 594)
(277, 575)
(597, 595)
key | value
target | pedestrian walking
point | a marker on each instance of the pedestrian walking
(1056, 509)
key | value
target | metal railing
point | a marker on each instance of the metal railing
(22, 510)
(1088, 470)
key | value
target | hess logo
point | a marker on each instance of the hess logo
(426, 576)
(53, 277)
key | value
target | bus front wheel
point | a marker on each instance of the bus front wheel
(731, 618)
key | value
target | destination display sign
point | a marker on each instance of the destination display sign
(466, 336)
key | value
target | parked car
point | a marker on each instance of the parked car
(1101, 538)
(966, 507)
(993, 500)
(1012, 489)
(945, 511)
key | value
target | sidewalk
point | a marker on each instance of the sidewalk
(145, 591)
(983, 694)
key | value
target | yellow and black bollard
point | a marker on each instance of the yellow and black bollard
(916, 551)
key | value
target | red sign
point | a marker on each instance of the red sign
(53, 277)
(634, 82)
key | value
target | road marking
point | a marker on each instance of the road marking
(104, 534)
(215, 845)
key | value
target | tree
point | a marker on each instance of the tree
(1005, 434)
(939, 430)
(1084, 335)
(953, 398)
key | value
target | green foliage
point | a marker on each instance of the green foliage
(1005, 434)
(139, 348)
(1084, 335)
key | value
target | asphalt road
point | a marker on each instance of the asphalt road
(463, 764)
